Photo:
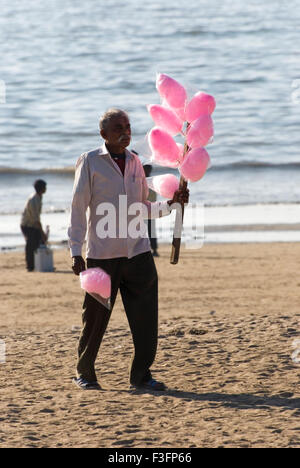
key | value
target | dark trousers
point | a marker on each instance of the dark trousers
(136, 278)
(33, 240)
(153, 239)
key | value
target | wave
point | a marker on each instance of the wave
(238, 165)
(235, 205)
(20, 170)
(51, 211)
(255, 165)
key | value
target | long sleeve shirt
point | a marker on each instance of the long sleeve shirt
(32, 212)
(108, 208)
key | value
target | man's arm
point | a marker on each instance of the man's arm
(80, 202)
(43, 234)
(159, 209)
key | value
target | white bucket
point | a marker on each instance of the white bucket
(43, 259)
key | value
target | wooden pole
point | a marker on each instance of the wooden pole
(176, 243)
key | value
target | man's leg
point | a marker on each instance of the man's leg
(95, 321)
(152, 234)
(139, 290)
(33, 240)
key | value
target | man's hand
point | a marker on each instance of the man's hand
(44, 237)
(78, 265)
(180, 196)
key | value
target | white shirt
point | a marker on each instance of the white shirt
(32, 212)
(103, 207)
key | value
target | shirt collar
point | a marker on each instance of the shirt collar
(104, 151)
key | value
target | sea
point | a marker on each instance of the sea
(64, 63)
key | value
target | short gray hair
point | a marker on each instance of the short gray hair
(110, 114)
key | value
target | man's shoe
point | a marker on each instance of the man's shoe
(152, 384)
(86, 385)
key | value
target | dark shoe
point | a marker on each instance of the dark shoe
(152, 384)
(155, 253)
(85, 385)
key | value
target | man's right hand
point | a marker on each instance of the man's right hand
(44, 237)
(78, 265)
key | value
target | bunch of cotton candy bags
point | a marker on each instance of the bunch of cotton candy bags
(178, 108)
(96, 281)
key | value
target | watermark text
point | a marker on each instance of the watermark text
(132, 221)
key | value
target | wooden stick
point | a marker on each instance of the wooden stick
(176, 243)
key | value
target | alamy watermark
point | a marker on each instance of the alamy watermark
(2, 352)
(2, 92)
(131, 221)
(295, 96)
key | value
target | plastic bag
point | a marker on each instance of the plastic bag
(97, 283)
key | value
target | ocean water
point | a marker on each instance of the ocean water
(64, 63)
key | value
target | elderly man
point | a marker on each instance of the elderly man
(113, 176)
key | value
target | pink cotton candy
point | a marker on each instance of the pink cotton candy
(171, 91)
(166, 119)
(195, 164)
(200, 104)
(200, 131)
(164, 148)
(95, 280)
(166, 185)
(181, 113)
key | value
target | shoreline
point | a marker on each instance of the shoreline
(246, 234)
(289, 236)
(236, 223)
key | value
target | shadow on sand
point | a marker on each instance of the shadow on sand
(240, 401)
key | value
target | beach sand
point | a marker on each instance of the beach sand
(228, 317)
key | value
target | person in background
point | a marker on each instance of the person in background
(151, 222)
(31, 226)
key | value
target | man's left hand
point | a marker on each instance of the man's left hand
(180, 196)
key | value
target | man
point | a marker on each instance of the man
(31, 226)
(111, 176)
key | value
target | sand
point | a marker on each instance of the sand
(228, 317)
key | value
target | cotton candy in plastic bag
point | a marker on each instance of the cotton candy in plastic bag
(200, 104)
(165, 151)
(165, 185)
(172, 92)
(200, 132)
(97, 283)
(195, 164)
(165, 118)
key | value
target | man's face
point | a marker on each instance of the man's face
(43, 190)
(118, 132)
